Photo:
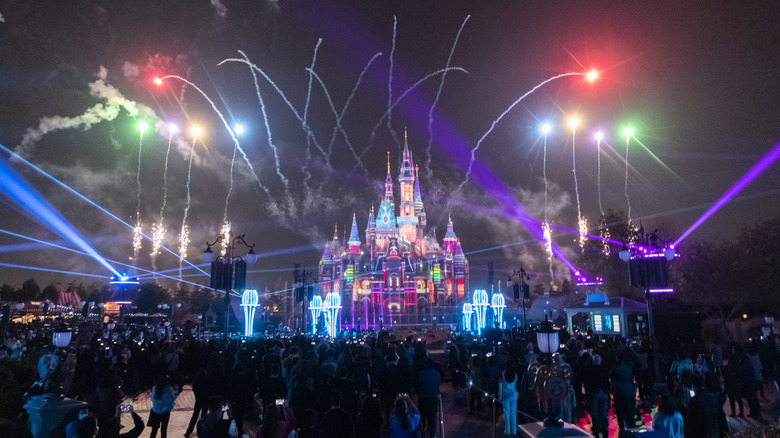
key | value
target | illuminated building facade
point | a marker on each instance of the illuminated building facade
(399, 270)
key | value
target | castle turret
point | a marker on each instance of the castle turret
(385, 219)
(450, 239)
(354, 239)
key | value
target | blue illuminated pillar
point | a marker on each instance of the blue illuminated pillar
(249, 301)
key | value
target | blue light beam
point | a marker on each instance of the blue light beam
(23, 195)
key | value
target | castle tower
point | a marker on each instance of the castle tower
(407, 219)
(385, 219)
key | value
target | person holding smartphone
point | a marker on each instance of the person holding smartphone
(112, 426)
(278, 420)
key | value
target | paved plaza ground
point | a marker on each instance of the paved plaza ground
(457, 422)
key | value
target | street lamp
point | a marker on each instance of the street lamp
(228, 271)
(552, 377)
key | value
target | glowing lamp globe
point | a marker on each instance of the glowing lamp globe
(625, 255)
(669, 253)
(208, 255)
(251, 257)
(547, 337)
(61, 339)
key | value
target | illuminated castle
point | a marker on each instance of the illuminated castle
(400, 273)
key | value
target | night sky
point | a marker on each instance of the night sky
(697, 81)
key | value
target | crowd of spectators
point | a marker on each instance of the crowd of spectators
(370, 384)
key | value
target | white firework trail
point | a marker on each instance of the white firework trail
(337, 128)
(582, 223)
(390, 87)
(137, 231)
(400, 98)
(227, 126)
(184, 237)
(307, 155)
(628, 201)
(338, 122)
(268, 128)
(428, 169)
(158, 230)
(495, 122)
(230, 187)
(297, 115)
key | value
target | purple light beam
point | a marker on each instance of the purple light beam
(763, 164)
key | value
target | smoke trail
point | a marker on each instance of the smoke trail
(598, 173)
(390, 87)
(338, 121)
(230, 131)
(582, 223)
(102, 111)
(428, 170)
(400, 98)
(254, 67)
(495, 122)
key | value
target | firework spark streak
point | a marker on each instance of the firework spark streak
(495, 122)
(225, 233)
(137, 231)
(158, 230)
(227, 126)
(306, 106)
(297, 115)
(338, 122)
(349, 99)
(625, 187)
(400, 98)
(390, 86)
(598, 172)
(184, 237)
(428, 170)
(583, 228)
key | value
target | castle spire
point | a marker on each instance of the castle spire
(354, 239)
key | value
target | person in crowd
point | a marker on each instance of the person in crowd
(163, 401)
(336, 422)
(369, 420)
(702, 413)
(200, 389)
(113, 426)
(507, 393)
(667, 422)
(309, 428)
(624, 392)
(428, 382)
(405, 419)
(278, 420)
(597, 391)
(737, 376)
(477, 381)
(216, 424)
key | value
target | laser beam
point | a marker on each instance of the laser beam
(757, 169)
(18, 191)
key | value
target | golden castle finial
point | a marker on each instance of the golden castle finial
(388, 162)
(404, 134)
(416, 171)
